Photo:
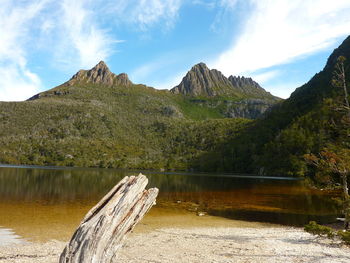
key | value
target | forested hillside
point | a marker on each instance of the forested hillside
(312, 120)
(101, 119)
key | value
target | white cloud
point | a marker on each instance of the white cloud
(228, 3)
(75, 33)
(207, 4)
(279, 32)
(17, 82)
(146, 13)
(65, 29)
(261, 78)
(82, 43)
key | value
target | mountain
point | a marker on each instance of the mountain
(98, 118)
(100, 74)
(201, 81)
(244, 100)
(101, 119)
(204, 82)
(249, 87)
(313, 118)
(236, 96)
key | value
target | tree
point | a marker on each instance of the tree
(336, 158)
(339, 81)
(335, 162)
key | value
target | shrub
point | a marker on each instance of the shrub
(345, 236)
(316, 229)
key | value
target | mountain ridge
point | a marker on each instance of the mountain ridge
(93, 124)
(202, 81)
(100, 74)
(247, 100)
(310, 120)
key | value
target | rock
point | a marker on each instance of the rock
(237, 97)
(201, 81)
(248, 86)
(123, 79)
(201, 213)
(248, 108)
(100, 74)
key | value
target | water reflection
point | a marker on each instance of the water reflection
(8, 237)
(59, 193)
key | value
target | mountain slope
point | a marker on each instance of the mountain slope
(311, 119)
(98, 118)
(234, 96)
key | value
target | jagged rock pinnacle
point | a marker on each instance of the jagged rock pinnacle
(247, 85)
(100, 74)
(200, 80)
(101, 65)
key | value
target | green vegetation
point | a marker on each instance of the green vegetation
(345, 236)
(319, 230)
(104, 126)
(136, 126)
(325, 231)
(312, 119)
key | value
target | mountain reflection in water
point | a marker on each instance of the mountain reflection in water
(33, 196)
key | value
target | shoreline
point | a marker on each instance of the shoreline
(202, 244)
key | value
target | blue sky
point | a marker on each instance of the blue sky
(279, 43)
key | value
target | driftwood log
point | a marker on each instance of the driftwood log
(104, 227)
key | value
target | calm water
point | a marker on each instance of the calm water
(50, 202)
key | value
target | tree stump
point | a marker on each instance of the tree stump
(104, 227)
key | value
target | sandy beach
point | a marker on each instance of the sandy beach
(205, 244)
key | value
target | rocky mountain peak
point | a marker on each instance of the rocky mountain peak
(201, 66)
(100, 74)
(202, 81)
(101, 66)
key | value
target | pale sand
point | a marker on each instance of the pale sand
(206, 244)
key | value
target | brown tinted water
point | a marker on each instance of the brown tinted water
(40, 203)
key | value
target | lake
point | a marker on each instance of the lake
(42, 203)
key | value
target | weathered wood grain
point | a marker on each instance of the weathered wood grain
(100, 234)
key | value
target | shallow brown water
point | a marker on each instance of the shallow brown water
(40, 204)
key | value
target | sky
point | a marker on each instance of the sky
(279, 43)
